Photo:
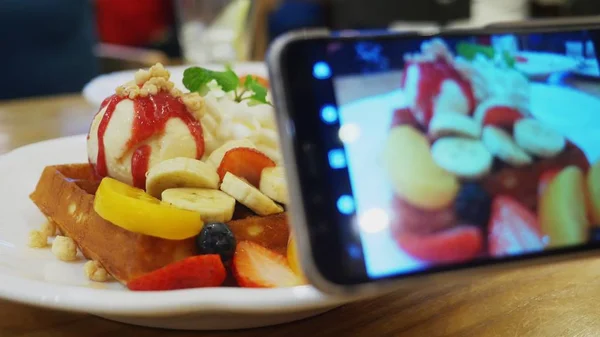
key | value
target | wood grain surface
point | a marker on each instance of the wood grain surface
(546, 301)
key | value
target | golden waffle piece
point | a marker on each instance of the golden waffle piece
(65, 194)
(270, 231)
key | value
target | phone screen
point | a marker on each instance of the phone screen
(462, 150)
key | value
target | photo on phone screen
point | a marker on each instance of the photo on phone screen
(465, 149)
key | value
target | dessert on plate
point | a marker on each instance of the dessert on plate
(181, 190)
(474, 174)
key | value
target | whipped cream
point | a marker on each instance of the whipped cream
(494, 79)
(227, 119)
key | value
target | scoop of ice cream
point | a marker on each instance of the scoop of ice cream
(146, 122)
(432, 85)
(175, 140)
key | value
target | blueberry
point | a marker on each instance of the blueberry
(216, 238)
(473, 205)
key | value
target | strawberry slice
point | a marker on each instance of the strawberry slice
(513, 229)
(458, 244)
(255, 266)
(245, 163)
(501, 116)
(404, 116)
(521, 59)
(545, 180)
(193, 272)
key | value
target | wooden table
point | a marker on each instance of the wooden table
(552, 300)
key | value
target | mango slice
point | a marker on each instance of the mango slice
(562, 209)
(414, 174)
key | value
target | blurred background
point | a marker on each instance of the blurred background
(55, 47)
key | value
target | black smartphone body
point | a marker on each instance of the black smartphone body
(413, 157)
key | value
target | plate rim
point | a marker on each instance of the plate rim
(164, 303)
(154, 303)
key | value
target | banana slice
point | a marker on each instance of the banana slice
(249, 195)
(466, 158)
(273, 185)
(213, 205)
(217, 155)
(483, 107)
(454, 124)
(538, 139)
(501, 145)
(180, 172)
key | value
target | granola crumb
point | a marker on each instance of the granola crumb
(64, 248)
(141, 76)
(38, 239)
(195, 104)
(147, 82)
(156, 80)
(49, 228)
(95, 272)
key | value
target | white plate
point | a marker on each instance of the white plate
(544, 64)
(104, 85)
(35, 276)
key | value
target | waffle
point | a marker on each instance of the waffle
(65, 194)
(270, 231)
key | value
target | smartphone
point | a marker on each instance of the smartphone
(419, 157)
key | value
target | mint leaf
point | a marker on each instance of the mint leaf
(470, 50)
(228, 80)
(196, 78)
(510, 61)
(259, 93)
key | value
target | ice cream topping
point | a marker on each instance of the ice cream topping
(433, 85)
(145, 122)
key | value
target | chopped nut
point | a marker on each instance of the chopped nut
(72, 208)
(49, 228)
(120, 91)
(38, 239)
(195, 104)
(95, 272)
(158, 70)
(152, 89)
(147, 82)
(64, 248)
(255, 230)
(141, 76)
(161, 83)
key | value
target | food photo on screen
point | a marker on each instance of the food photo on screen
(469, 149)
